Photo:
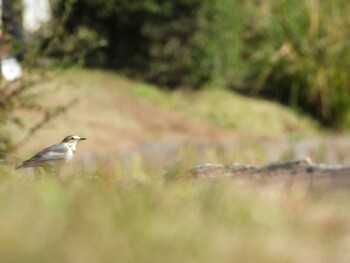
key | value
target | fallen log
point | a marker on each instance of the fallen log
(302, 173)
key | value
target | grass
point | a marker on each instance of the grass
(138, 214)
(298, 53)
(232, 111)
(134, 213)
(115, 112)
(91, 219)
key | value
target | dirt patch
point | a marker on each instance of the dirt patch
(112, 118)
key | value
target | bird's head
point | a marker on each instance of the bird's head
(72, 140)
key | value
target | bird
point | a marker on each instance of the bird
(54, 155)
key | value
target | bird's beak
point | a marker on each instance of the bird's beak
(82, 139)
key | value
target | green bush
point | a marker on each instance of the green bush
(295, 52)
(299, 53)
(172, 43)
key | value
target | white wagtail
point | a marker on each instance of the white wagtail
(54, 155)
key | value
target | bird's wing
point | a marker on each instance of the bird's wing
(53, 152)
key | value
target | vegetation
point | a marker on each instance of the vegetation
(117, 98)
(232, 111)
(21, 95)
(137, 211)
(300, 55)
(170, 43)
(94, 219)
(294, 52)
(18, 97)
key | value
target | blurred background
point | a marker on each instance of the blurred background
(158, 87)
(234, 66)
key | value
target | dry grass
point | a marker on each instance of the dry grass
(135, 213)
(116, 113)
(92, 219)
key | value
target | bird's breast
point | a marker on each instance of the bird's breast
(69, 155)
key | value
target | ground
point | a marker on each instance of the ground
(111, 117)
(116, 114)
(139, 212)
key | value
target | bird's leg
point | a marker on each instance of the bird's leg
(39, 172)
(50, 170)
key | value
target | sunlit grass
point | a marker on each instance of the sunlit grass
(141, 212)
(106, 103)
(232, 111)
(137, 211)
(299, 53)
(92, 219)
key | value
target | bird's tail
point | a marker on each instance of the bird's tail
(19, 166)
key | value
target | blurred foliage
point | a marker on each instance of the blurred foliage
(10, 29)
(295, 52)
(19, 96)
(249, 116)
(299, 53)
(98, 219)
(172, 43)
